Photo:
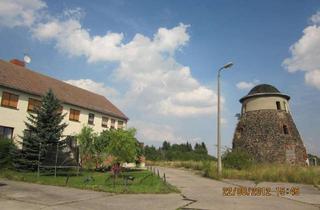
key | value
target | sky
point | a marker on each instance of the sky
(157, 60)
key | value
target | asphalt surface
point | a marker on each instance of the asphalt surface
(196, 193)
(206, 193)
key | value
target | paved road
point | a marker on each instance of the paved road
(26, 196)
(196, 193)
(206, 193)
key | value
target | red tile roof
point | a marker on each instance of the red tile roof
(23, 79)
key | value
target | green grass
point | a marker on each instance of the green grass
(144, 181)
(257, 172)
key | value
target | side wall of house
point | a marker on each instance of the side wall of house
(15, 118)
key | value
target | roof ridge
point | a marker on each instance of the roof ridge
(50, 77)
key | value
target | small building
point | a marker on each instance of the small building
(266, 129)
(21, 90)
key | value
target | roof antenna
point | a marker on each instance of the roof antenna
(26, 57)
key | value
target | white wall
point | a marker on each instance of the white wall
(268, 102)
(15, 117)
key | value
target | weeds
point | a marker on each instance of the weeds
(256, 172)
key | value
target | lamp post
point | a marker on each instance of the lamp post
(228, 65)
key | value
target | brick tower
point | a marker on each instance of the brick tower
(266, 129)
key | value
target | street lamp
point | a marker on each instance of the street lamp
(228, 65)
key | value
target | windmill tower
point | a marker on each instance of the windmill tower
(266, 129)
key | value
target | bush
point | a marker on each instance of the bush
(6, 152)
(237, 159)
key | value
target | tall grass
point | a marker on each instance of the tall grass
(257, 172)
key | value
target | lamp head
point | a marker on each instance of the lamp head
(228, 65)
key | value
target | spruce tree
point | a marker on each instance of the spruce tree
(44, 129)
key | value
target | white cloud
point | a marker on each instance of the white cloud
(246, 85)
(154, 132)
(93, 86)
(20, 12)
(313, 78)
(305, 53)
(315, 19)
(157, 82)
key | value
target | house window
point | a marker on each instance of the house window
(113, 123)
(278, 105)
(9, 100)
(105, 122)
(91, 119)
(6, 132)
(285, 129)
(33, 104)
(74, 115)
(120, 124)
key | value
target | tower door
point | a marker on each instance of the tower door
(290, 154)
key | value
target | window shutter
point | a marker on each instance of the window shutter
(5, 99)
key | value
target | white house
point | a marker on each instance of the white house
(21, 90)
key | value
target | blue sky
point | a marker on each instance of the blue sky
(157, 60)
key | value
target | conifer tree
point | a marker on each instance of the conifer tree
(44, 129)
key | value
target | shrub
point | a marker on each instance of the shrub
(210, 169)
(237, 159)
(6, 152)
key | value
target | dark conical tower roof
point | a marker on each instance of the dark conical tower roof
(263, 90)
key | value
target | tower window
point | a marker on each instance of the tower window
(285, 129)
(278, 105)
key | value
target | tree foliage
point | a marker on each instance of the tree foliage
(44, 128)
(183, 151)
(7, 147)
(237, 159)
(96, 148)
(123, 145)
(86, 139)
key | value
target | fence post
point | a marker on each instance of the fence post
(164, 178)
(55, 165)
(39, 155)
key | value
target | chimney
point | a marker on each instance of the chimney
(18, 62)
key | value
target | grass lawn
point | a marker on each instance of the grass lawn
(144, 181)
(257, 172)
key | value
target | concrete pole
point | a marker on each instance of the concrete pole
(218, 128)
(228, 65)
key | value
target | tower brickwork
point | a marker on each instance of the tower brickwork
(266, 129)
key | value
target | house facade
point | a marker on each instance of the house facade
(21, 90)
